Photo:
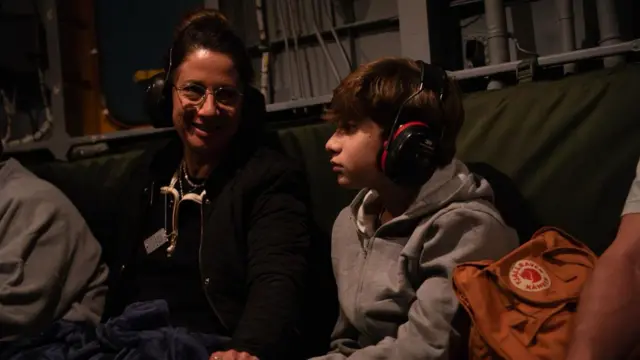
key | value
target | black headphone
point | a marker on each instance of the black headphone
(408, 156)
(158, 103)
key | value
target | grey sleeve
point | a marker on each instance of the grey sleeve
(462, 235)
(50, 264)
(632, 205)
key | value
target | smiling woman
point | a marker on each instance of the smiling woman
(224, 216)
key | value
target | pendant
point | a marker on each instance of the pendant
(172, 243)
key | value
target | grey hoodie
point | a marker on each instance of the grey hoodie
(394, 282)
(50, 264)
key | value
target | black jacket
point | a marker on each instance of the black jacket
(255, 240)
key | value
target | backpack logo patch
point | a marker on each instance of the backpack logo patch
(527, 275)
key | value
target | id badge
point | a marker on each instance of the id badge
(155, 241)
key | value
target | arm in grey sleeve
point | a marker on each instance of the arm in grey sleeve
(632, 205)
(49, 263)
(462, 235)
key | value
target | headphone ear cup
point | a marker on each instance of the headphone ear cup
(410, 157)
(158, 102)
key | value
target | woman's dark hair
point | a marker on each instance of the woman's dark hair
(210, 30)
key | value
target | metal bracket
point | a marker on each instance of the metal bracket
(526, 70)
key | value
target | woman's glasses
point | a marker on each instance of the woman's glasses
(194, 95)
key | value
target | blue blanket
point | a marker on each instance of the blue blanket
(142, 331)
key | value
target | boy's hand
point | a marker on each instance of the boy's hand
(232, 355)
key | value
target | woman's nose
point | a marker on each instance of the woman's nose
(208, 106)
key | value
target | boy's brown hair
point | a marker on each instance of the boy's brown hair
(376, 91)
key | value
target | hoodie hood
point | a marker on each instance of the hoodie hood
(452, 183)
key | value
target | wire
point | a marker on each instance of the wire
(285, 34)
(264, 45)
(9, 108)
(47, 124)
(482, 37)
(295, 31)
(517, 44)
(327, 10)
(323, 47)
(471, 22)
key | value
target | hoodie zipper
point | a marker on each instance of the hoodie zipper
(366, 248)
(367, 244)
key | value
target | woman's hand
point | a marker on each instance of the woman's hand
(232, 355)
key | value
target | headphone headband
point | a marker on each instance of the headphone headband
(410, 155)
(432, 78)
(167, 71)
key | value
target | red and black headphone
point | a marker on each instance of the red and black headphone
(408, 155)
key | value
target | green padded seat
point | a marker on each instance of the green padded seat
(569, 146)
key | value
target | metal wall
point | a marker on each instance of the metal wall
(432, 30)
(368, 32)
(533, 28)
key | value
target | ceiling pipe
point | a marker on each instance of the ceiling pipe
(497, 36)
(609, 29)
(566, 19)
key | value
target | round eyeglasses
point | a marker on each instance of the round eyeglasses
(195, 95)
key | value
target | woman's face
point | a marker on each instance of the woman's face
(206, 101)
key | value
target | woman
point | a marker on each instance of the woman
(220, 231)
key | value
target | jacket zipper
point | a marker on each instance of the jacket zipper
(367, 244)
(365, 251)
(202, 281)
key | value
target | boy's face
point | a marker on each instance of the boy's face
(354, 151)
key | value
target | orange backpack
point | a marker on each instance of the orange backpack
(521, 306)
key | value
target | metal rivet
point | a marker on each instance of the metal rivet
(206, 281)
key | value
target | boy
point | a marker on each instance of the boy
(420, 211)
(50, 265)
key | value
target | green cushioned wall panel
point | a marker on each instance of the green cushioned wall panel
(570, 146)
(306, 144)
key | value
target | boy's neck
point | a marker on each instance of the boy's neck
(396, 199)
